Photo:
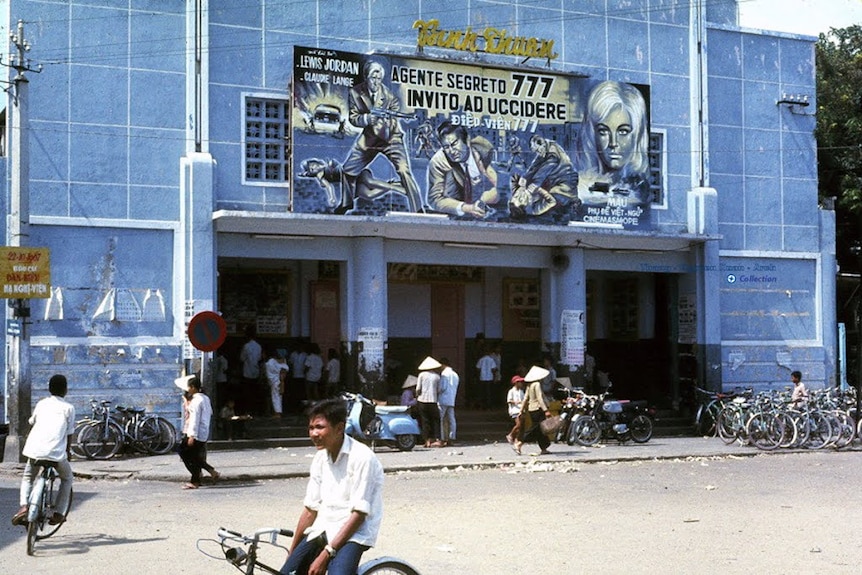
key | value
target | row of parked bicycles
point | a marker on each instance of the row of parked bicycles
(107, 432)
(770, 420)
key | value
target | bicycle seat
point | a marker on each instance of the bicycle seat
(135, 410)
(44, 463)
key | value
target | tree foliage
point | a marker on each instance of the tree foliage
(839, 132)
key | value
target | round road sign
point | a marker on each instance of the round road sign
(207, 331)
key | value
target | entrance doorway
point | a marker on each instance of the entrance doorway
(447, 326)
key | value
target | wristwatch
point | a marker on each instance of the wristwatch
(330, 550)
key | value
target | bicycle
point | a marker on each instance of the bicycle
(103, 436)
(40, 506)
(241, 551)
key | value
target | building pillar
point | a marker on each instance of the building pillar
(367, 321)
(703, 220)
(565, 321)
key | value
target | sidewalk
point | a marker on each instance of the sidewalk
(286, 462)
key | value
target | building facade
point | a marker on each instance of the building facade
(396, 179)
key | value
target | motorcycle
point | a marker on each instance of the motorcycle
(390, 425)
(607, 418)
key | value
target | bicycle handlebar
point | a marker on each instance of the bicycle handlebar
(224, 533)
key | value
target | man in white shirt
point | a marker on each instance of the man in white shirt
(449, 381)
(250, 356)
(196, 433)
(53, 422)
(343, 504)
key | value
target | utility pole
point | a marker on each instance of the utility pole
(18, 384)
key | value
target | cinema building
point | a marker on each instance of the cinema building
(394, 180)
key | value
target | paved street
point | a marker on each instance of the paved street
(481, 509)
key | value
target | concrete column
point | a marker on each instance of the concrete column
(367, 321)
(703, 219)
(567, 307)
(828, 273)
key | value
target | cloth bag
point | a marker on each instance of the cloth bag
(550, 425)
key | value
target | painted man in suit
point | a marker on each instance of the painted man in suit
(372, 107)
(461, 180)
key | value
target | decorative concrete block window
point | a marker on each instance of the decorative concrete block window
(657, 167)
(267, 127)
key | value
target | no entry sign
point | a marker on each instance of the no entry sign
(207, 331)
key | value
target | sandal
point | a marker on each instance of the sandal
(190, 486)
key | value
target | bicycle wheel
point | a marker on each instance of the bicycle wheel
(707, 417)
(79, 425)
(765, 431)
(32, 527)
(386, 566)
(46, 529)
(37, 508)
(101, 440)
(847, 430)
(641, 428)
(728, 424)
(166, 438)
(820, 431)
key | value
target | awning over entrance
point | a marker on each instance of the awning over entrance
(431, 228)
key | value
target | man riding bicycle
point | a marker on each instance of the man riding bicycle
(343, 500)
(50, 438)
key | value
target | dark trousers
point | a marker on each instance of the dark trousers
(535, 431)
(194, 458)
(430, 417)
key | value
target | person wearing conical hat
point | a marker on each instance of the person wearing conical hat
(534, 403)
(427, 392)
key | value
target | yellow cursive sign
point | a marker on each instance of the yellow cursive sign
(490, 41)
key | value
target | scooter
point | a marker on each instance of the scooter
(390, 425)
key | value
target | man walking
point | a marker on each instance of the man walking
(196, 433)
(449, 381)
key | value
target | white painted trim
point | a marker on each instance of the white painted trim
(104, 223)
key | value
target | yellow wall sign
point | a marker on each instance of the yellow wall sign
(25, 272)
(490, 41)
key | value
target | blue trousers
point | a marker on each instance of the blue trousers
(345, 562)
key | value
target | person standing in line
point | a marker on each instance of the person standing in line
(250, 356)
(296, 389)
(486, 368)
(219, 367)
(343, 505)
(449, 381)
(534, 404)
(333, 373)
(276, 375)
(313, 373)
(427, 392)
(196, 432)
(497, 390)
(50, 438)
(515, 403)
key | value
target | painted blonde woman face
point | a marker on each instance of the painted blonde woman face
(615, 139)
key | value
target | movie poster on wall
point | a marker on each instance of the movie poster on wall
(375, 134)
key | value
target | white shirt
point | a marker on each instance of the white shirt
(449, 381)
(198, 423)
(486, 367)
(353, 482)
(250, 357)
(333, 371)
(427, 386)
(53, 420)
(297, 364)
(273, 370)
(313, 367)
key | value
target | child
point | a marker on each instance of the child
(514, 401)
(228, 419)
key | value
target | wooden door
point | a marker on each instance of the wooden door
(325, 317)
(447, 326)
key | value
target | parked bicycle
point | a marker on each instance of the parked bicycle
(243, 552)
(104, 435)
(40, 506)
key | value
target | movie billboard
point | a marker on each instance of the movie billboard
(374, 134)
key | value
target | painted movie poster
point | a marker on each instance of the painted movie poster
(374, 134)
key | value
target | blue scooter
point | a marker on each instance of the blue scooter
(391, 425)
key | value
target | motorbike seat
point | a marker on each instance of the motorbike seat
(392, 408)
